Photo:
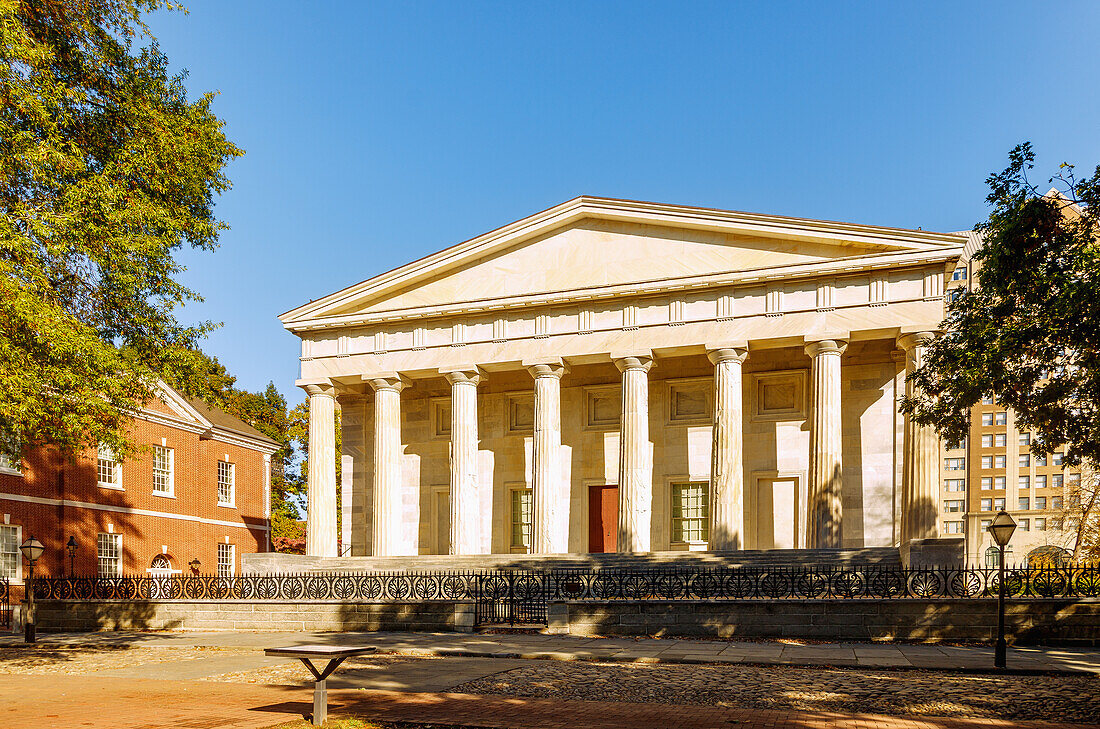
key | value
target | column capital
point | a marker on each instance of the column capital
(638, 360)
(319, 388)
(826, 346)
(910, 340)
(732, 352)
(463, 374)
(546, 367)
(386, 381)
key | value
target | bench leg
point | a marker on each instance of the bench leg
(320, 702)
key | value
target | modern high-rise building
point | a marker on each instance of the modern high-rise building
(994, 469)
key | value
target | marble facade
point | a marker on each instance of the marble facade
(620, 375)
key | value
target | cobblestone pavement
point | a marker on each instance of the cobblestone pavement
(900, 692)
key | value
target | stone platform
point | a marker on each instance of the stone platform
(276, 563)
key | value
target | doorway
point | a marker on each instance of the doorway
(777, 513)
(603, 517)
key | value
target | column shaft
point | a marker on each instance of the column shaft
(465, 484)
(921, 459)
(824, 510)
(321, 481)
(550, 492)
(635, 457)
(727, 479)
(387, 466)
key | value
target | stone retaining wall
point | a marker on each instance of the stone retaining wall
(1031, 621)
(60, 615)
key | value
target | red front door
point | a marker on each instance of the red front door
(603, 517)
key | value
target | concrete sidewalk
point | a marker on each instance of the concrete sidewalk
(641, 650)
(28, 702)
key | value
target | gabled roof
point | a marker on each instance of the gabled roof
(862, 240)
(211, 421)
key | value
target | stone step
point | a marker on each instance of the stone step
(885, 556)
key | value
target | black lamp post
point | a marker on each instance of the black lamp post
(194, 564)
(32, 549)
(1001, 529)
(71, 546)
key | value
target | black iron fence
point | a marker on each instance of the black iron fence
(688, 583)
(5, 604)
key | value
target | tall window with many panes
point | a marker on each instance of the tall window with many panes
(9, 552)
(226, 559)
(226, 482)
(107, 471)
(522, 519)
(109, 555)
(163, 470)
(690, 512)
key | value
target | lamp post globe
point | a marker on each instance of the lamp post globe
(1001, 529)
(32, 549)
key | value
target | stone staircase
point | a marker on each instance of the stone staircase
(839, 558)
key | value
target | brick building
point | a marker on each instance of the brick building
(199, 489)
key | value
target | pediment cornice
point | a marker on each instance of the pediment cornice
(793, 273)
(879, 243)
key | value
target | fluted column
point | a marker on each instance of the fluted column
(321, 480)
(387, 464)
(921, 456)
(635, 458)
(465, 488)
(823, 512)
(727, 479)
(550, 492)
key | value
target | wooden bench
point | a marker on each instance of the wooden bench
(307, 654)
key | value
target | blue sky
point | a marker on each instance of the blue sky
(376, 132)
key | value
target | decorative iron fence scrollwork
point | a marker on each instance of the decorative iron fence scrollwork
(534, 588)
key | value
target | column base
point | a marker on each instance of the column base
(933, 552)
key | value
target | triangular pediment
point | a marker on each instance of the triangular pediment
(591, 245)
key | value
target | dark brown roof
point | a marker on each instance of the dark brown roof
(225, 421)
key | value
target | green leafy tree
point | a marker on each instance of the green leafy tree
(107, 169)
(267, 412)
(1028, 333)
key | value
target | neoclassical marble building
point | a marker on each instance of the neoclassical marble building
(610, 375)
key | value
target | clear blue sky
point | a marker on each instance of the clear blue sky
(380, 132)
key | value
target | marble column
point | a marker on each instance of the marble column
(321, 482)
(727, 478)
(550, 492)
(465, 488)
(635, 456)
(823, 510)
(920, 480)
(387, 539)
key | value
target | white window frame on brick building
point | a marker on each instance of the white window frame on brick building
(108, 472)
(11, 560)
(227, 559)
(227, 483)
(164, 471)
(109, 554)
(952, 527)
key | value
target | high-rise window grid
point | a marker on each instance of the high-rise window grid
(954, 484)
(1025, 503)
